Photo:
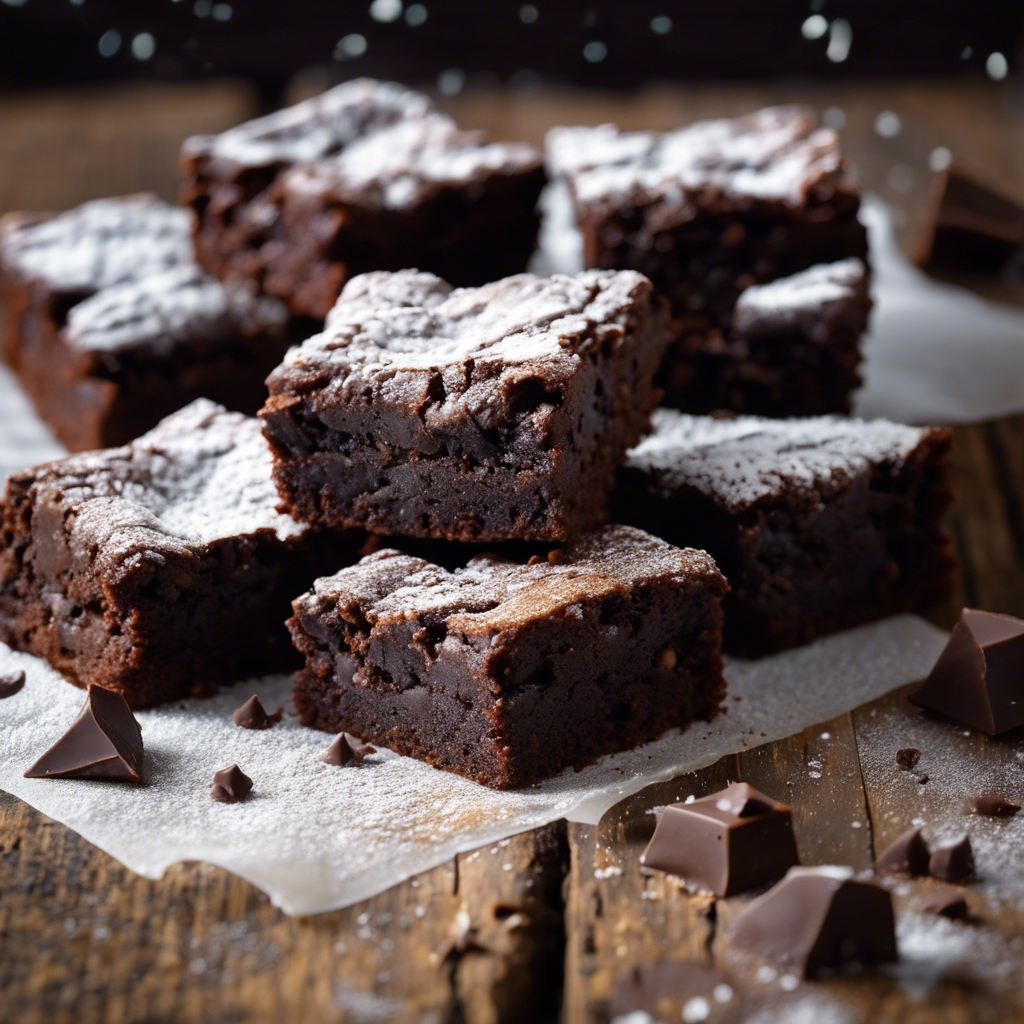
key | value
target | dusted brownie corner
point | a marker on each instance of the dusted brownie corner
(509, 672)
(112, 326)
(162, 568)
(495, 413)
(792, 348)
(819, 524)
(367, 176)
(712, 208)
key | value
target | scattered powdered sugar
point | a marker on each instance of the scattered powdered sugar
(317, 837)
(775, 154)
(166, 310)
(99, 244)
(747, 459)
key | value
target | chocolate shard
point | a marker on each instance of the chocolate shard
(953, 862)
(946, 902)
(230, 785)
(663, 989)
(818, 920)
(103, 742)
(342, 752)
(990, 805)
(907, 855)
(724, 843)
(979, 677)
(11, 683)
(252, 715)
(969, 226)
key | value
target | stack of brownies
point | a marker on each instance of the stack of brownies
(428, 487)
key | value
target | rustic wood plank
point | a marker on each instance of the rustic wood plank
(84, 939)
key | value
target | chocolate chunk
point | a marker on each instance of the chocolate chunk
(663, 988)
(817, 920)
(990, 805)
(945, 902)
(907, 758)
(252, 715)
(907, 855)
(969, 226)
(11, 683)
(726, 842)
(103, 742)
(230, 785)
(979, 677)
(953, 862)
(341, 752)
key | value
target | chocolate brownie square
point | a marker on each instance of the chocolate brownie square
(792, 348)
(508, 672)
(162, 568)
(819, 524)
(710, 209)
(494, 413)
(367, 176)
(111, 325)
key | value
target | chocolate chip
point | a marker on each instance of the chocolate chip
(990, 805)
(252, 715)
(230, 785)
(907, 758)
(907, 855)
(945, 902)
(11, 683)
(342, 752)
(666, 659)
(103, 742)
(953, 862)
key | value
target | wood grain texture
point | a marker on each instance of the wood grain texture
(84, 940)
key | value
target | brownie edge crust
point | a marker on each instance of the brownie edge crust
(508, 673)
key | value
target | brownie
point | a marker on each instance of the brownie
(161, 568)
(368, 176)
(483, 414)
(112, 326)
(792, 348)
(509, 672)
(710, 209)
(819, 524)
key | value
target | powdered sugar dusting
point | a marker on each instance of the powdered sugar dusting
(775, 154)
(317, 837)
(808, 291)
(748, 459)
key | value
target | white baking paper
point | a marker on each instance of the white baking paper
(935, 353)
(316, 837)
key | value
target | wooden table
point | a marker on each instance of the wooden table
(84, 940)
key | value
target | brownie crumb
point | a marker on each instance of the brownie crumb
(990, 805)
(907, 758)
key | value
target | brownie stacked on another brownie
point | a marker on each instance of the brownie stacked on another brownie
(509, 672)
(819, 524)
(161, 568)
(494, 413)
(112, 326)
(367, 176)
(792, 348)
(707, 211)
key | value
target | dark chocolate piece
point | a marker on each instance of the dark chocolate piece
(496, 413)
(907, 855)
(946, 902)
(979, 677)
(818, 524)
(11, 683)
(160, 569)
(103, 742)
(252, 715)
(969, 226)
(367, 176)
(342, 752)
(991, 805)
(673, 990)
(506, 672)
(819, 920)
(907, 758)
(230, 785)
(726, 842)
(953, 862)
